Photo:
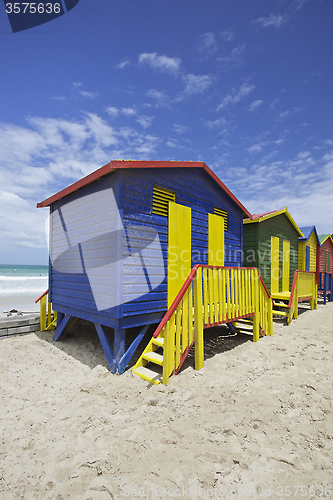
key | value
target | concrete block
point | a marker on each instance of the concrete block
(22, 322)
(3, 332)
(24, 329)
(11, 322)
(34, 321)
(13, 331)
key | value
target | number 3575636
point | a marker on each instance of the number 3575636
(32, 8)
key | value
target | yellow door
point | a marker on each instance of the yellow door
(286, 266)
(275, 272)
(179, 248)
(215, 240)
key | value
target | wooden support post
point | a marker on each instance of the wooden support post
(43, 313)
(119, 344)
(112, 363)
(126, 358)
(166, 354)
(62, 322)
(325, 288)
(296, 300)
(270, 317)
(49, 313)
(257, 311)
(198, 321)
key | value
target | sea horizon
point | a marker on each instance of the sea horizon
(20, 279)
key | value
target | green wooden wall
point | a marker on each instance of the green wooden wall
(257, 240)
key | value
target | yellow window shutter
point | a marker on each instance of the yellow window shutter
(161, 199)
(224, 214)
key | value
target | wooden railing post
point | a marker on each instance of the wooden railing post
(43, 313)
(256, 310)
(166, 354)
(198, 321)
(296, 298)
(270, 317)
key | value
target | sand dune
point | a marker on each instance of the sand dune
(256, 421)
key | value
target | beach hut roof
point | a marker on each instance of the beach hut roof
(323, 238)
(268, 215)
(307, 231)
(133, 164)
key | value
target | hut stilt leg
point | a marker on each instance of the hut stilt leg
(62, 322)
(119, 344)
(126, 358)
(106, 348)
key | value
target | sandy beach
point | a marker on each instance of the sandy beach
(255, 422)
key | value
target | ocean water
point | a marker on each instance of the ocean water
(23, 280)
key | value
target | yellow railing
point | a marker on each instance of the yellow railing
(46, 321)
(211, 296)
(304, 288)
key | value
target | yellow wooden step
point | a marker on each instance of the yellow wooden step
(148, 375)
(281, 305)
(159, 341)
(280, 313)
(153, 357)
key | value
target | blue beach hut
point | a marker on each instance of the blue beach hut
(124, 239)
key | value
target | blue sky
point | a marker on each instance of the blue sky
(245, 86)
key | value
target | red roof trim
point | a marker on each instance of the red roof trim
(258, 216)
(121, 164)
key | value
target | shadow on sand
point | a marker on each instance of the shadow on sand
(81, 342)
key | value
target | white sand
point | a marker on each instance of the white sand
(256, 416)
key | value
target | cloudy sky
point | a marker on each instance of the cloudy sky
(245, 86)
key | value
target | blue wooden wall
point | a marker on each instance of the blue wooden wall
(109, 252)
(194, 188)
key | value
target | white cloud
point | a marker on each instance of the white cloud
(159, 96)
(145, 121)
(196, 84)
(128, 111)
(228, 36)
(21, 224)
(180, 129)
(208, 45)
(275, 20)
(77, 92)
(256, 148)
(48, 154)
(235, 57)
(298, 4)
(284, 114)
(162, 63)
(123, 64)
(215, 123)
(171, 144)
(90, 95)
(255, 105)
(304, 184)
(244, 90)
(112, 111)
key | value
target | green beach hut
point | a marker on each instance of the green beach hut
(270, 243)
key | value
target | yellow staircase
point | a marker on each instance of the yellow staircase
(210, 296)
(150, 357)
(304, 289)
